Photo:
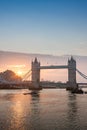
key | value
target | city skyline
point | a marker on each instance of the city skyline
(54, 27)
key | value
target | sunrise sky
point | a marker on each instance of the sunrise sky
(44, 26)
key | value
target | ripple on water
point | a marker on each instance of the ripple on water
(51, 109)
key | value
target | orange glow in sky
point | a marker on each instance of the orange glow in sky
(19, 73)
(20, 69)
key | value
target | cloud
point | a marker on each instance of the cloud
(17, 66)
(83, 43)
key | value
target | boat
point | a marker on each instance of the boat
(77, 91)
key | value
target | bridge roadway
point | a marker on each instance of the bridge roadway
(10, 85)
(54, 67)
(82, 83)
(27, 84)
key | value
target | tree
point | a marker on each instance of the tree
(9, 75)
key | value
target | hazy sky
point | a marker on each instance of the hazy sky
(44, 26)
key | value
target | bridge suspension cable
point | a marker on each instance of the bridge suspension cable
(83, 75)
(27, 75)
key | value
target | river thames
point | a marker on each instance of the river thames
(50, 109)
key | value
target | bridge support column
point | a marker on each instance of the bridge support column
(35, 74)
(72, 73)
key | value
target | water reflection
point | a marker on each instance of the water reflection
(72, 103)
(17, 112)
(48, 110)
(13, 111)
(73, 112)
(35, 111)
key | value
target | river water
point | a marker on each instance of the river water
(51, 109)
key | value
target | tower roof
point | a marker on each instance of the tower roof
(72, 58)
(35, 61)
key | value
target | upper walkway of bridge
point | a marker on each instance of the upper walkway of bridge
(54, 67)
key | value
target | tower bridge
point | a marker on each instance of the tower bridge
(36, 67)
(35, 83)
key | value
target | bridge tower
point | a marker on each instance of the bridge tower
(35, 73)
(72, 72)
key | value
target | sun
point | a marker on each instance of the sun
(19, 73)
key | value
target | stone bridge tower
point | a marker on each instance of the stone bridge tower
(35, 73)
(72, 72)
